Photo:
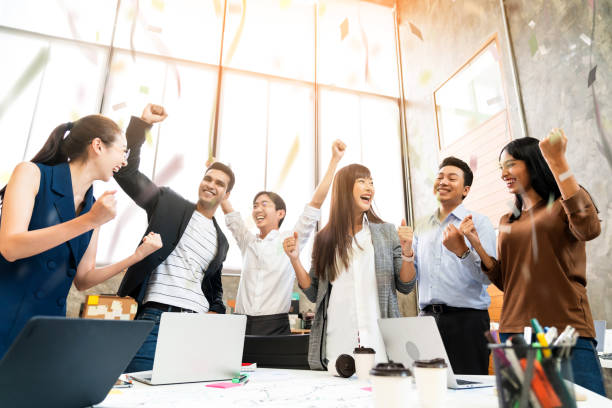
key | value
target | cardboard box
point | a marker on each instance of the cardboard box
(109, 307)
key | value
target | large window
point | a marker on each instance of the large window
(272, 122)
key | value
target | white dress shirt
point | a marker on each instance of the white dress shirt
(267, 276)
(353, 310)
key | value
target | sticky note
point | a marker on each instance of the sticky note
(344, 28)
(592, 76)
(415, 30)
(119, 106)
(93, 299)
(224, 385)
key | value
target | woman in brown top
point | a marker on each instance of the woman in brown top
(541, 265)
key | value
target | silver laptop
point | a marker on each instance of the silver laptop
(193, 347)
(417, 338)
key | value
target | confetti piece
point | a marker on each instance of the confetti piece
(505, 228)
(592, 76)
(117, 66)
(119, 106)
(366, 388)
(31, 72)
(149, 137)
(4, 177)
(533, 44)
(158, 4)
(97, 36)
(494, 100)
(425, 77)
(344, 28)
(543, 50)
(154, 29)
(473, 163)
(512, 207)
(494, 52)
(585, 38)
(115, 392)
(572, 47)
(285, 4)
(144, 89)
(322, 9)
(120, 123)
(415, 30)
(289, 160)
(551, 201)
(531, 24)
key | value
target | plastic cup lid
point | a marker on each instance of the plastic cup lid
(390, 369)
(345, 365)
(364, 350)
(433, 363)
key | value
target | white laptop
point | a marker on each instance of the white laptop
(193, 347)
(417, 338)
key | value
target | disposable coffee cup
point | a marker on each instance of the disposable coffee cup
(364, 361)
(344, 366)
(430, 378)
(391, 385)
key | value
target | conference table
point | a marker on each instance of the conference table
(299, 388)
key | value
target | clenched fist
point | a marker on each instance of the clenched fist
(150, 243)
(104, 209)
(291, 246)
(405, 235)
(453, 240)
(469, 231)
(338, 149)
(153, 113)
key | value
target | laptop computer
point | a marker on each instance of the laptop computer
(60, 362)
(417, 338)
(193, 347)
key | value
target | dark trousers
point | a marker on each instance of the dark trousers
(463, 334)
(268, 325)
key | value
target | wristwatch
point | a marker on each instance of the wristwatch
(465, 254)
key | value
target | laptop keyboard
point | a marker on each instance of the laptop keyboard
(465, 382)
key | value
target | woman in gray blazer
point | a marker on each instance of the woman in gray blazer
(360, 257)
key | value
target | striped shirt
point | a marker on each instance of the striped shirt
(177, 281)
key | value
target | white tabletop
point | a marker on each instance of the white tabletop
(295, 388)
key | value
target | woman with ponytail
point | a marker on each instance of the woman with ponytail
(357, 266)
(49, 222)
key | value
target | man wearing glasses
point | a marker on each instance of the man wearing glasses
(185, 276)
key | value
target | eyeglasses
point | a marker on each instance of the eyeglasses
(126, 152)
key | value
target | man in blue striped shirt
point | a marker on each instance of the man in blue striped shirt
(452, 286)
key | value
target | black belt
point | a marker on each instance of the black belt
(442, 308)
(167, 308)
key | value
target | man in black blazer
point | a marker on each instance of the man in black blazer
(185, 274)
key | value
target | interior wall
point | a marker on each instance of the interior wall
(553, 82)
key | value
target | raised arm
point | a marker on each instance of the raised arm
(16, 242)
(135, 184)
(291, 247)
(88, 275)
(579, 207)
(338, 148)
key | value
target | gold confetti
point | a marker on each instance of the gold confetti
(291, 156)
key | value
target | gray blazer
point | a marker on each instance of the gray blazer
(387, 263)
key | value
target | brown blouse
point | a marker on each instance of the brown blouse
(542, 265)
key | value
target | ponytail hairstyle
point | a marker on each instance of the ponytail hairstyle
(332, 245)
(69, 141)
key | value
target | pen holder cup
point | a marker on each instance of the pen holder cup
(547, 369)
